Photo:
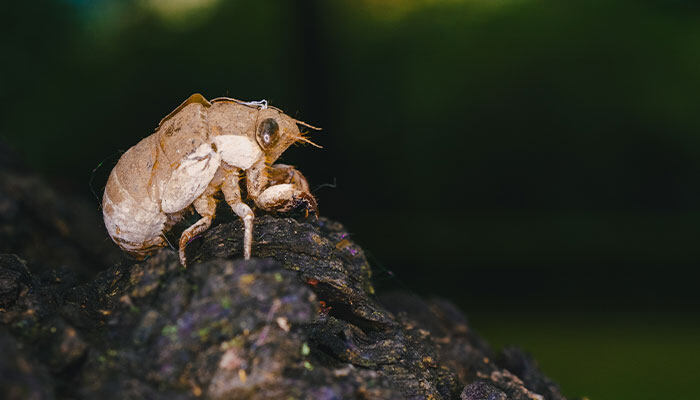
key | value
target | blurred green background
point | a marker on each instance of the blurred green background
(534, 161)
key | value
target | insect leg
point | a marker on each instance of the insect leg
(232, 194)
(288, 191)
(205, 205)
(283, 173)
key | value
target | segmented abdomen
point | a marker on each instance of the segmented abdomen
(132, 215)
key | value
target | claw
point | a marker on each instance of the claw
(307, 202)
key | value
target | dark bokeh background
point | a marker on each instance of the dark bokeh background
(534, 161)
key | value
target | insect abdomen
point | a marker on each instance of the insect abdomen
(132, 216)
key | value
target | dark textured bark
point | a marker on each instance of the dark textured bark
(299, 320)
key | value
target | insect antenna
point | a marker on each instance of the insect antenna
(302, 123)
(302, 137)
(306, 140)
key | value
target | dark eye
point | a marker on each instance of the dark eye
(268, 132)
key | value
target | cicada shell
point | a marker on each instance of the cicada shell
(198, 150)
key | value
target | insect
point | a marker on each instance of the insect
(198, 150)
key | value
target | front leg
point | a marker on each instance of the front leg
(287, 190)
(283, 173)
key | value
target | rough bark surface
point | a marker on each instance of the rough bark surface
(299, 321)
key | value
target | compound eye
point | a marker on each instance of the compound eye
(268, 133)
